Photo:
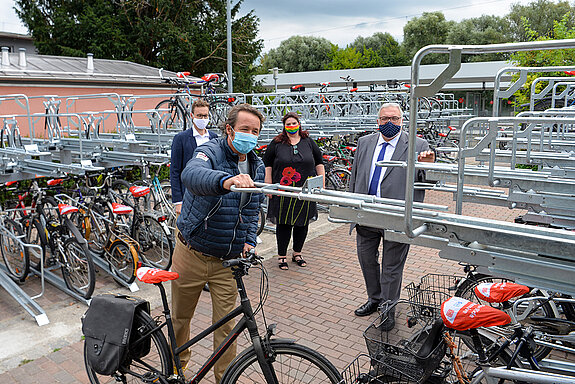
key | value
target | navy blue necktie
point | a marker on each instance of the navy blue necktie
(376, 172)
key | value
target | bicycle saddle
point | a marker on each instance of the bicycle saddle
(433, 339)
(53, 182)
(65, 209)
(121, 209)
(155, 275)
(210, 77)
(461, 315)
(139, 191)
(499, 292)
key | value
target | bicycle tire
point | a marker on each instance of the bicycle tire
(338, 179)
(292, 363)
(466, 291)
(157, 360)
(173, 117)
(123, 261)
(36, 234)
(14, 254)
(48, 207)
(156, 246)
(78, 268)
(219, 110)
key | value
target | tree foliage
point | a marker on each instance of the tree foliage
(481, 30)
(543, 58)
(429, 29)
(540, 15)
(386, 49)
(179, 35)
(299, 54)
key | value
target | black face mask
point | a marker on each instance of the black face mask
(389, 129)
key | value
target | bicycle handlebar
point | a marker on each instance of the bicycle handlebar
(248, 261)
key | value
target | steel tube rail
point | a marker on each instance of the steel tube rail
(418, 90)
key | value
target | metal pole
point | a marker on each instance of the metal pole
(229, 45)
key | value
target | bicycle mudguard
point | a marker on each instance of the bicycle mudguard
(156, 216)
(77, 235)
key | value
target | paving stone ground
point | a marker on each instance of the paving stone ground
(314, 305)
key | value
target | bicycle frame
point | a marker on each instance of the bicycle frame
(246, 322)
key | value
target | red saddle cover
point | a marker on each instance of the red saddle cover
(461, 315)
(499, 292)
(121, 209)
(66, 208)
(155, 275)
(139, 191)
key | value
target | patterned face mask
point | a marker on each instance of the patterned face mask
(292, 129)
(389, 129)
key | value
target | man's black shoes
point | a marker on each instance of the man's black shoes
(366, 309)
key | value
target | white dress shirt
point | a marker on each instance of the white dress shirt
(201, 139)
(388, 153)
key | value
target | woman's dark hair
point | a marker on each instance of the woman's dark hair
(283, 136)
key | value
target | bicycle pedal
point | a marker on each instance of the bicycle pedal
(150, 377)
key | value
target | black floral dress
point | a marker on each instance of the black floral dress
(292, 165)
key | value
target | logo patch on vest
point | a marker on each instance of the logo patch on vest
(202, 156)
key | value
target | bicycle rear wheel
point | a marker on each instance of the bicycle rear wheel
(292, 363)
(15, 255)
(172, 115)
(123, 260)
(78, 268)
(156, 362)
(156, 247)
(219, 110)
(338, 179)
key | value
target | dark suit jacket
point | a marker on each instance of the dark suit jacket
(393, 181)
(183, 147)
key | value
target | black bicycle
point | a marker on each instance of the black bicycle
(268, 360)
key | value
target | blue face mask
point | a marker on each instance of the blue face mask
(244, 142)
(389, 129)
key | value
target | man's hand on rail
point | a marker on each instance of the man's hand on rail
(240, 181)
(426, 156)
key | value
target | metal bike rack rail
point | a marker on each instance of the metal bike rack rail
(455, 53)
(27, 302)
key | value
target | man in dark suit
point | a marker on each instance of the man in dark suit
(389, 143)
(184, 145)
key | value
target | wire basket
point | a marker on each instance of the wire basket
(411, 350)
(430, 292)
(364, 369)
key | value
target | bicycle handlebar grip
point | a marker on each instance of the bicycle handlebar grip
(231, 263)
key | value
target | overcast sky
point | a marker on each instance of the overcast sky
(339, 21)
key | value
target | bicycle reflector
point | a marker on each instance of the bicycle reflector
(231, 99)
(161, 219)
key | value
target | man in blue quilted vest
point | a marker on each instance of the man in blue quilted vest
(216, 224)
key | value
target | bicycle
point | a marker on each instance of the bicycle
(63, 245)
(177, 110)
(266, 361)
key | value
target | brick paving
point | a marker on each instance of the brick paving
(313, 305)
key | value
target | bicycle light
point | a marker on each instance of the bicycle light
(161, 219)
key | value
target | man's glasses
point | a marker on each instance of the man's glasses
(295, 151)
(385, 119)
(200, 116)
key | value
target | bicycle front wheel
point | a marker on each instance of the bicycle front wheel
(15, 255)
(292, 363)
(78, 268)
(156, 362)
(123, 260)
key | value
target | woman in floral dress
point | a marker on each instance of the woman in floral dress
(290, 159)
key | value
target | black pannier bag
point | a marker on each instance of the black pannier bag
(110, 327)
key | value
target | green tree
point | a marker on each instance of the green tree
(384, 46)
(481, 30)
(540, 16)
(350, 58)
(557, 57)
(298, 54)
(429, 29)
(179, 35)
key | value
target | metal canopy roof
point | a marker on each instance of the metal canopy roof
(471, 76)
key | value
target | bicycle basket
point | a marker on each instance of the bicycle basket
(364, 369)
(411, 350)
(430, 292)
